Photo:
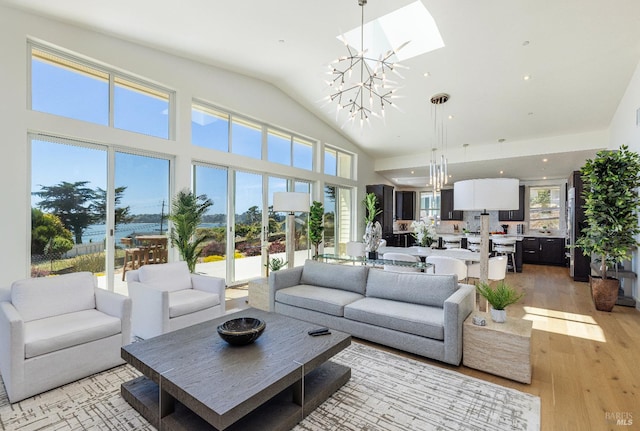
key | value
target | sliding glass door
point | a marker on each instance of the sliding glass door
(68, 223)
(212, 182)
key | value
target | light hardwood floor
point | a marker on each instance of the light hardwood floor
(586, 363)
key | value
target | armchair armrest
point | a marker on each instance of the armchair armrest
(116, 305)
(210, 284)
(11, 346)
(149, 311)
(456, 309)
(281, 279)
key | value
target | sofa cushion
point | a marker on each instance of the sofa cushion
(343, 277)
(189, 301)
(67, 330)
(424, 289)
(38, 298)
(167, 276)
(322, 299)
(422, 320)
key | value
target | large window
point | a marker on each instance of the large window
(338, 163)
(429, 205)
(209, 128)
(246, 138)
(544, 207)
(70, 200)
(70, 87)
(286, 149)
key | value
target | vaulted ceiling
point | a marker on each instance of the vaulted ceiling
(579, 56)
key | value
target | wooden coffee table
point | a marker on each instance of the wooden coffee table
(193, 380)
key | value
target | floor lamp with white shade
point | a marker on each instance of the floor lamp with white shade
(291, 203)
(487, 194)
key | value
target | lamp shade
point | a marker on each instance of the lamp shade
(486, 194)
(291, 201)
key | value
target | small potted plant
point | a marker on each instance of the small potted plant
(499, 297)
(275, 264)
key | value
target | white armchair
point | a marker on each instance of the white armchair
(167, 297)
(56, 330)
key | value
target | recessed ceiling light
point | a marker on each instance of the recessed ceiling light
(411, 172)
(544, 178)
(427, 74)
(450, 176)
(501, 140)
(450, 117)
(465, 145)
(526, 77)
(280, 40)
(545, 160)
(501, 172)
(525, 43)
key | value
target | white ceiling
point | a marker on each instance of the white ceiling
(580, 55)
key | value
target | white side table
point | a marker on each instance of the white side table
(503, 349)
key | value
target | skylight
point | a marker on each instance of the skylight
(411, 23)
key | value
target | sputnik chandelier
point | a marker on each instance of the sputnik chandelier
(359, 83)
(438, 169)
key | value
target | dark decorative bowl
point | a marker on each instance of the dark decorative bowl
(242, 331)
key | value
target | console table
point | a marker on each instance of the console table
(503, 349)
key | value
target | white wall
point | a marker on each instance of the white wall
(252, 97)
(625, 131)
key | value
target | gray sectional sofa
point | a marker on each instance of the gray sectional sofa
(415, 312)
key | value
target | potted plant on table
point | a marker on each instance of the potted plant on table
(187, 210)
(424, 232)
(499, 298)
(611, 201)
(373, 229)
(316, 226)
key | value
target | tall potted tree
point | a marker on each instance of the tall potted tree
(187, 210)
(316, 226)
(373, 229)
(611, 201)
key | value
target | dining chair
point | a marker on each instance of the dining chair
(446, 265)
(497, 269)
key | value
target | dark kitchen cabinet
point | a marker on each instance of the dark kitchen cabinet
(543, 251)
(405, 205)
(446, 206)
(514, 215)
(384, 194)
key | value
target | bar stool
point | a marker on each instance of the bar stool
(506, 247)
(451, 242)
(473, 242)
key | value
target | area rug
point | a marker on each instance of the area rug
(386, 392)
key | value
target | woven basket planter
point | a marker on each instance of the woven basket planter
(604, 292)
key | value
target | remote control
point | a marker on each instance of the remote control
(317, 334)
(318, 331)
